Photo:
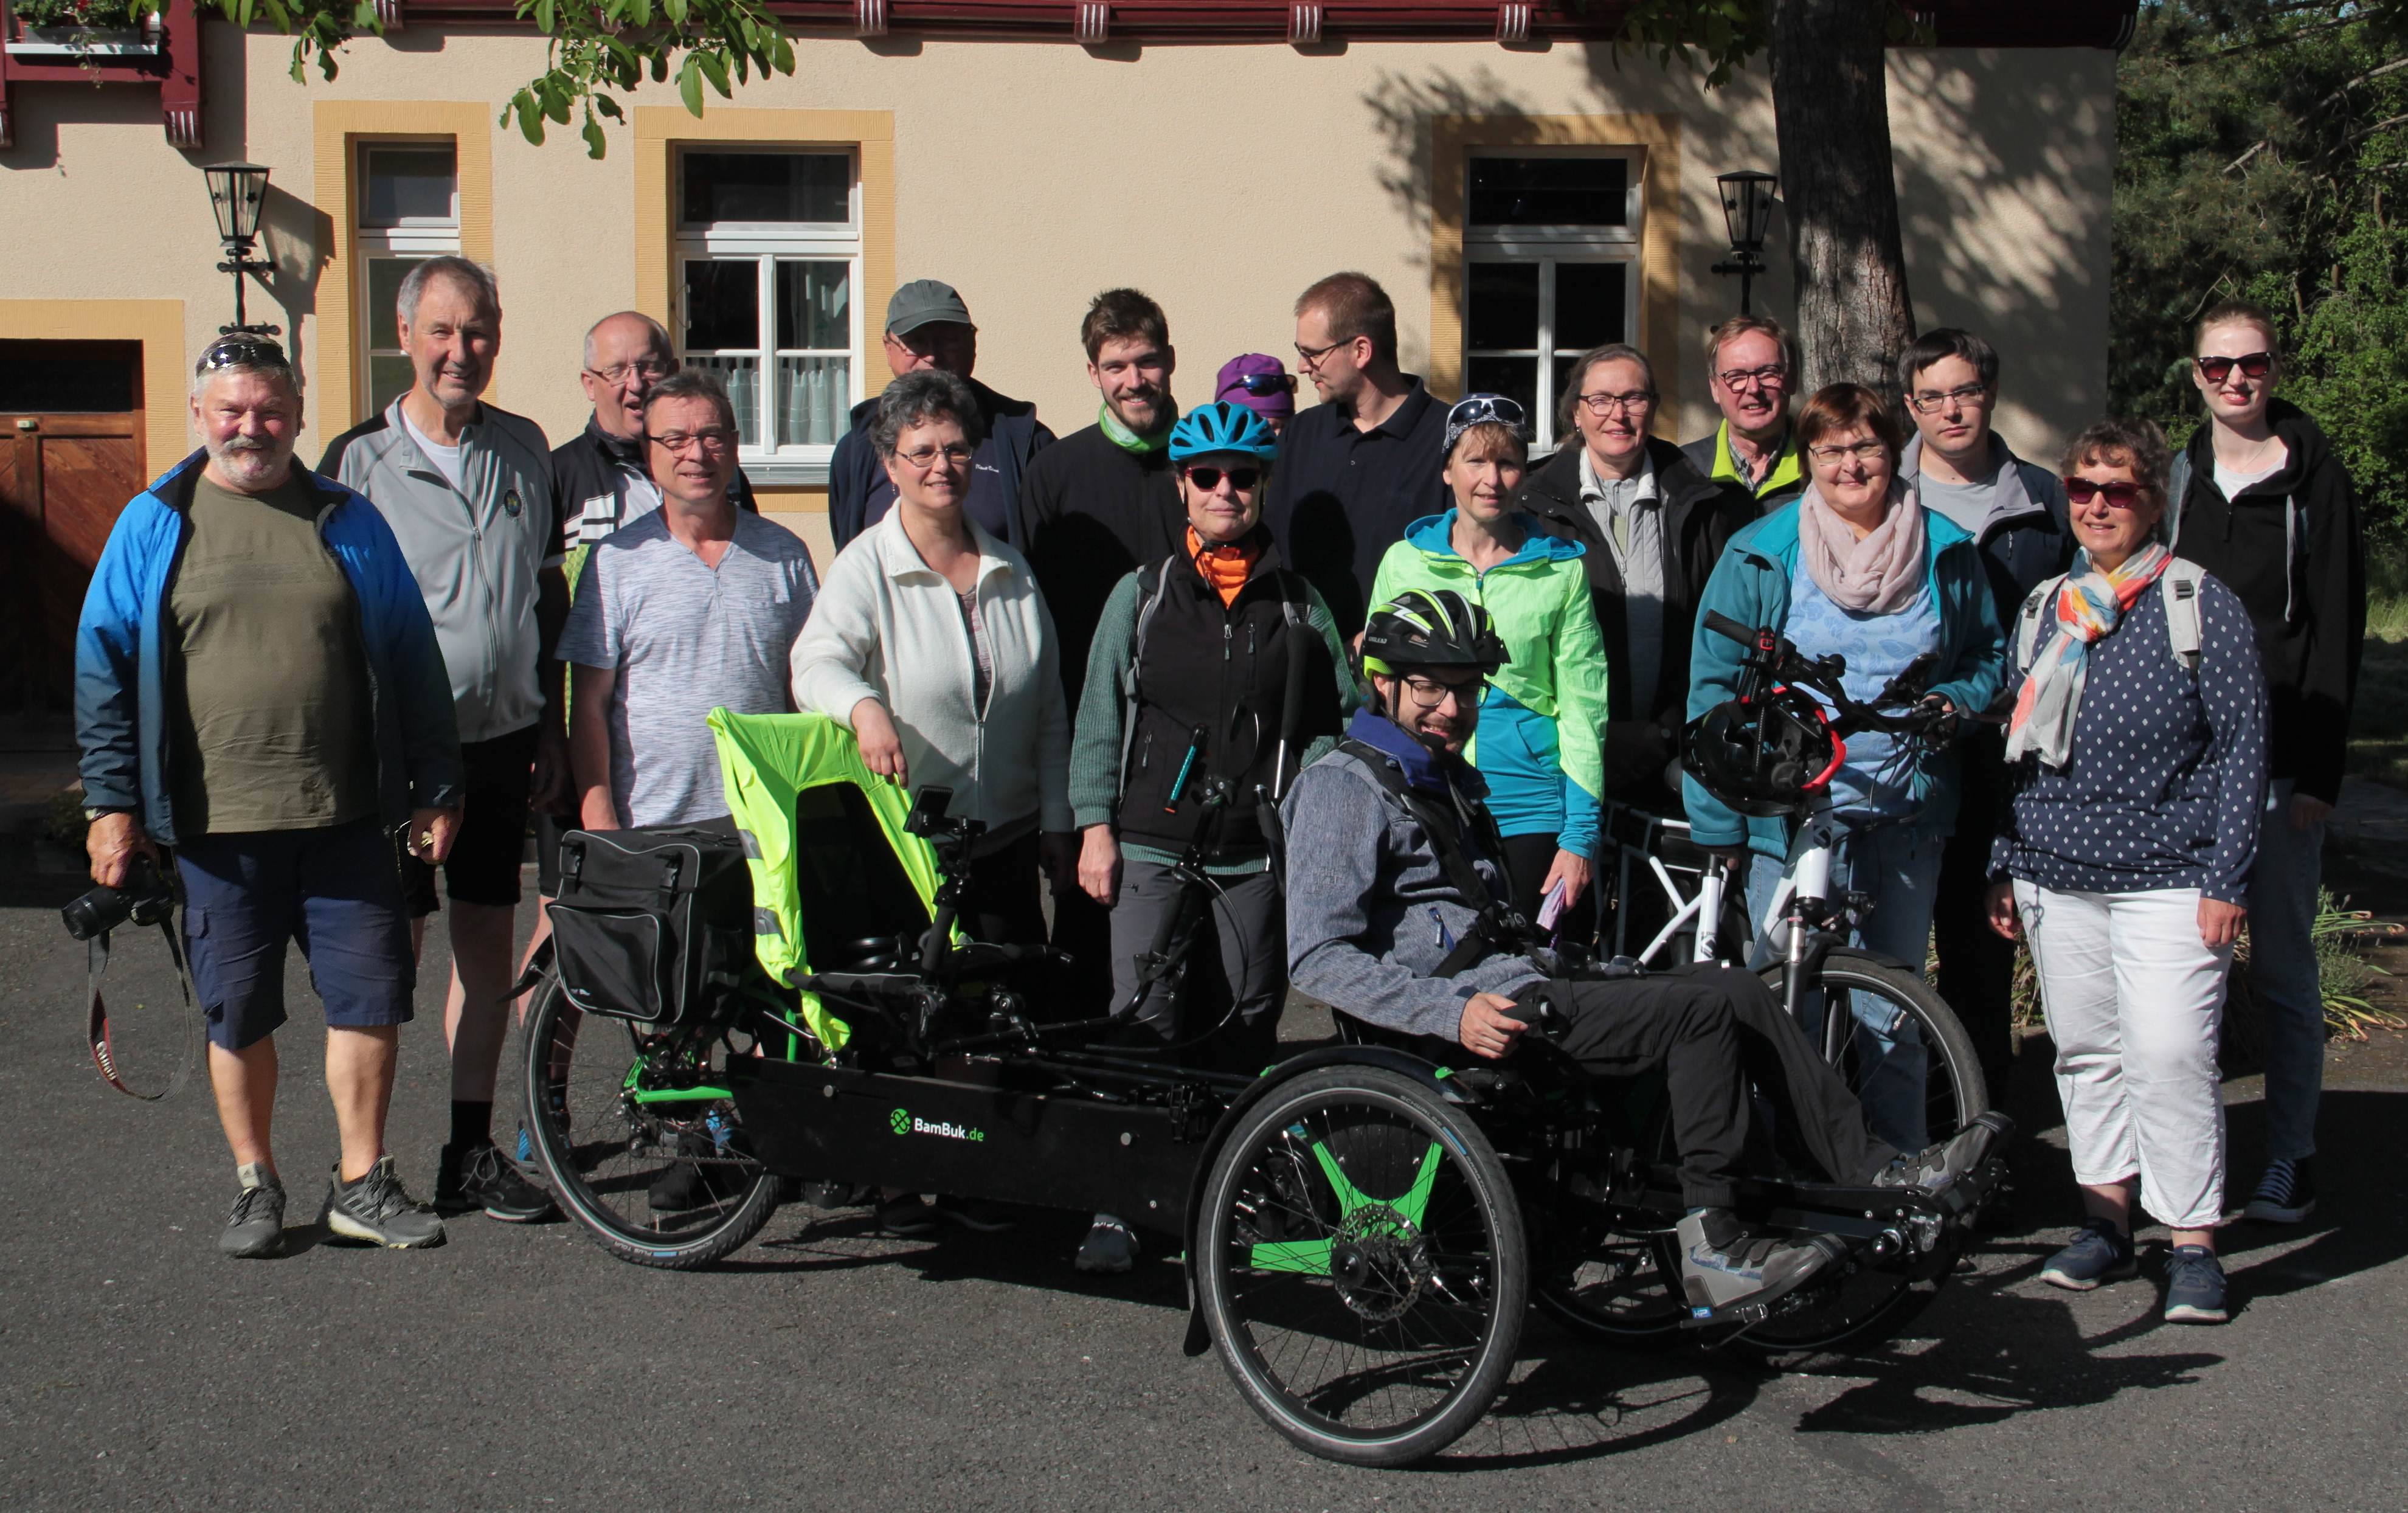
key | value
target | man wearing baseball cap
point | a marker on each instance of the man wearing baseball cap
(1263, 384)
(927, 326)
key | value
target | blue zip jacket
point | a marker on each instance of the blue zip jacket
(125, 640)
(1751, 585)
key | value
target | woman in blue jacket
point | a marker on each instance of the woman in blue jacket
(1857, 565)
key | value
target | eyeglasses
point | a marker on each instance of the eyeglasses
(1930, 402)
(1773, 376)
(2256, 365)
(1601, 403)
(617, 372)
(1209, 479)
(2120, 495)
(1263, 384)
(1429, 693)
(243, 352)
(1312, 357)
(1861, 451)
(677, 443)
(926, 458)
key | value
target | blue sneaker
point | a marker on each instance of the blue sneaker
(2098, 1254)
(2194, 1286)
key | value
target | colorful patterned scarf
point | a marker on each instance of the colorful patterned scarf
(2089, 606)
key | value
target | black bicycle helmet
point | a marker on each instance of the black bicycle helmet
(1763, 757)
(1424, 628)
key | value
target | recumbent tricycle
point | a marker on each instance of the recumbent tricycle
(1365, 1224)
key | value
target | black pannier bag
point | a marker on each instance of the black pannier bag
(653, 924)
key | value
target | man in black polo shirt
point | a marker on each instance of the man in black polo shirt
(1094, 506)
(1355, 469)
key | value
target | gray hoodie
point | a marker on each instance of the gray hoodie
(1370, 912)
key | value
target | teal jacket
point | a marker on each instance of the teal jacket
(1751, 585)
(1542, 740)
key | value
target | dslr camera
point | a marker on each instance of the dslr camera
(146, 899)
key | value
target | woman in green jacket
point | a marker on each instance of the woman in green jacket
(1543, 719)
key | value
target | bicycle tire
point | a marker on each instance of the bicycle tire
(1322, 1208)
(592, 1137)
(1862, 1313)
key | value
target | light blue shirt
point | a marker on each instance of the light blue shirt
(1872, 782)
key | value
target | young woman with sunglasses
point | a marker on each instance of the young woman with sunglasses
(1542, 716)
(2266, 506)
(1214, 676)
(2136, 762)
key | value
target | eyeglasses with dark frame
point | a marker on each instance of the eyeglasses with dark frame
(2253, 365)
(1930, 402)
(713, 438)
(243, 352)
(1208, 478)
(1771, 376)
(1429, 693)
(1861, 451)
(1601, 404)
(1312, 357)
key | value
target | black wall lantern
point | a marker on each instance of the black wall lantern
(236, 191)
(1747, 214)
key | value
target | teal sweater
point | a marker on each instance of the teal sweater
(1751, 585)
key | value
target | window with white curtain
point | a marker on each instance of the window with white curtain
(769, 257)
(1551, 268)
(408, 211)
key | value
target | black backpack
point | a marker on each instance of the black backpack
(653, 924)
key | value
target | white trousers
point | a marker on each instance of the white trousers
(2133, 999)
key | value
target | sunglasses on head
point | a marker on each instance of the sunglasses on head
(1482, 409)
(2120, 495)
(1209, 479)
(2256, 365)
(1262, 385)
(244, 351)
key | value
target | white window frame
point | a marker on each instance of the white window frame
(411, 242)
(1549, 247)
(768, 243)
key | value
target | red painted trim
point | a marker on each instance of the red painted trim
(175, 70)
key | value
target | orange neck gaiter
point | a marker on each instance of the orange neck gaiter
(1226, 568)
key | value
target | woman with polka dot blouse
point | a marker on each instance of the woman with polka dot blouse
(2138, 782)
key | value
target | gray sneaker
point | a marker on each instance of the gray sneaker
(1109, 1249)
(1729, 1274)
(374, 1211)
(256, 1229)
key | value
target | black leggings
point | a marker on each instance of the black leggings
(1713, 1029)
(1527, 858)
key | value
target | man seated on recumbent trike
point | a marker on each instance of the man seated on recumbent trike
(1392, 865)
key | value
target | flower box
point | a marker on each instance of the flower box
(84, 42)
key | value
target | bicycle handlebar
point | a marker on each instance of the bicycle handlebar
(1901, 708)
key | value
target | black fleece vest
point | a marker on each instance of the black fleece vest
(1214, 681)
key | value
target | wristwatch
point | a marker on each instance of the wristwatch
(92, 814)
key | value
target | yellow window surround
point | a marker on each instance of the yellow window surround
(157, 324)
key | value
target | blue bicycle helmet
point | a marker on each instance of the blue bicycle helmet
(1222, 427)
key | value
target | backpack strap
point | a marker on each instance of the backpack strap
(1149, 600)
(2027, 621)
(2179, 583)
(1500, 926)
(2177, 490)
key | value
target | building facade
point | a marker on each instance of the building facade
(1521, 191)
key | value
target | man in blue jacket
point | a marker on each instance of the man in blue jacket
(259, 692)
(927, 326)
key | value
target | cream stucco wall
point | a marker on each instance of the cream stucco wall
(1219, 179)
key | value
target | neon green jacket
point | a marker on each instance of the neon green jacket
(1541, 738)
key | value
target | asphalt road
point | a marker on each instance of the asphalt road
(522, 1367)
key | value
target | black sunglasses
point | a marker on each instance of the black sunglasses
(243, 352)
(1209, 479)
(2256, 365)
(1260, 384)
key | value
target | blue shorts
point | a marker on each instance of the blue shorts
(247, 896)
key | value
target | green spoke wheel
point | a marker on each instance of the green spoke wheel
(638, 1135)
(1361, 1265)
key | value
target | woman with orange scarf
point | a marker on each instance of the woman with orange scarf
(2137, 762)
(1214, 676)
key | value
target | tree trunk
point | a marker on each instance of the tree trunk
(1830, 104)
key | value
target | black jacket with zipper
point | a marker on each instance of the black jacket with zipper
(1700, 517)
(1216, 678)
(2293, 547)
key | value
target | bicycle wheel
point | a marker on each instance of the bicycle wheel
(642, 1143)
(1620, 1286)
(1361, 1266)
(1868, 1304)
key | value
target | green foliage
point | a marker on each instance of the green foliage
(2263, 152)
(1716, 36)
(95, 14)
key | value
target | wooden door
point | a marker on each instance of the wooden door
(71, 455)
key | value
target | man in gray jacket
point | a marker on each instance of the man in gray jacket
(1395, 919)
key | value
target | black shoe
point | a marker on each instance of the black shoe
(1937, 1166)
(825, 1195)
(482, 1176)
(905, 1215)
(374, 1210)
(256, 1229)
(2286, 1194)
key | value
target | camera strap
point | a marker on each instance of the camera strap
(104, 1055)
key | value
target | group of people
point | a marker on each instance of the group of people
(1361, 666)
